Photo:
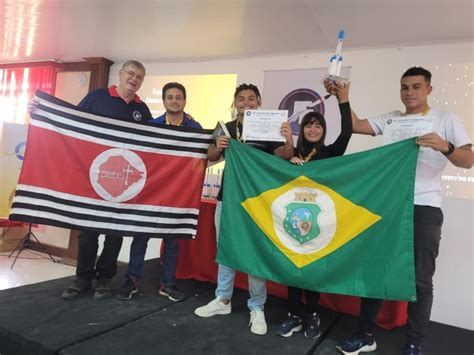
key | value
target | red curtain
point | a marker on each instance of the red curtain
(19, 84)
(42, 78)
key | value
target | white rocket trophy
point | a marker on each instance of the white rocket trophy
(335, 65)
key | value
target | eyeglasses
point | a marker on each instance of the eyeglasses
(132, 74)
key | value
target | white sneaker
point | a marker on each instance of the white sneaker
(215, 307)
(257, 322)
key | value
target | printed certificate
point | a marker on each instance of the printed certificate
(264, 125)
(402, 128)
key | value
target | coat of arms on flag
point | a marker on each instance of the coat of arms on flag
(341, 225)
(86, 172)
(302, 219)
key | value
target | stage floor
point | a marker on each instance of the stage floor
(35, 320)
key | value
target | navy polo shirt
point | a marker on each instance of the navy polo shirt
(187, 122)
(107, 102)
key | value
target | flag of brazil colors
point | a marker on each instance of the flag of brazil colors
(341, 225)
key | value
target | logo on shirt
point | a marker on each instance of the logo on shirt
(117, 175)
(137, 116)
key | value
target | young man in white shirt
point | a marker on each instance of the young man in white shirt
(448, 141)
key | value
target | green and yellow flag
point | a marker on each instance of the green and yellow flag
(342, 225)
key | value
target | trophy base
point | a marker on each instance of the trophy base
(336, 78)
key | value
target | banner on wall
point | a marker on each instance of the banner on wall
(86, 172)
(300, 91)
(13, 142)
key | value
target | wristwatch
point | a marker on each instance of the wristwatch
(451, 148)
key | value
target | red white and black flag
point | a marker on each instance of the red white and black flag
(87, 172)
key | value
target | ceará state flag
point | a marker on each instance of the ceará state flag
(87, 172)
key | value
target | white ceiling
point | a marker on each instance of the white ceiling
(190, 30)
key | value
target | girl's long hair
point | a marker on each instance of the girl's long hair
(303, 146)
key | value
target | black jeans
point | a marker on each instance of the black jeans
(106, 266)
(427, 235)
(295, 304)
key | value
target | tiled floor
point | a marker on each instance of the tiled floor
(31, 267)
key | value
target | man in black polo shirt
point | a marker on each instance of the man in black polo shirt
(120, 102)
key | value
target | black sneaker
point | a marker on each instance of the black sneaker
(311, 326)
(359, 342)
(76, 290)
(129, 288)
(171, 292)
(292, 325)
(103, 289)
(411, 349)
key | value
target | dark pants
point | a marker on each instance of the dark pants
(427, 235)
(295, 303)
(169, 259)
(106, 266)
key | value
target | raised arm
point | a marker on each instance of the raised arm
(342, 94)
(360, 126)
(340, 144)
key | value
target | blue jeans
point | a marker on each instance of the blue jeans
(226, 277)
(169, 259)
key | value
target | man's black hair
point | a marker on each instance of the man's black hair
(173, 85)
(415, 71)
